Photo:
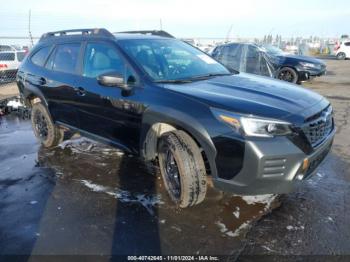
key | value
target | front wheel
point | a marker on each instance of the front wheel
(182, 168)
(44, 128)
(288, 74)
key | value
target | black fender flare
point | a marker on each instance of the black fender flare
(179, 120)
(31, 90)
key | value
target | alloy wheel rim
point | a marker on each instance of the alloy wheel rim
(286, 75)
(172, 174)
(41, 125)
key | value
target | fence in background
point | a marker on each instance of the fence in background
(12, 52)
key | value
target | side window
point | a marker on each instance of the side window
(40, 56)
(347, 43)
(65, 58)
(252, 60)
(101, 58)
(231, 56)
(217, 52)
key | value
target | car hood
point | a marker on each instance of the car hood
(254, 95)
(300, 58)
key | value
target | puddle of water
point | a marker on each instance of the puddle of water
(88, 171)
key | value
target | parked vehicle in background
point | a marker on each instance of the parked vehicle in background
(268, 60)
(9, 63)
(6, 48)
(173, 104)
(342, 50)
(244, 58)
(291, 49)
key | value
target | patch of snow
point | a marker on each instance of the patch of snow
(290, 228)
(262, 199)
(236, 233)
(268, 249)
(147, 201)
(14, 104)
(85, 145)
(74, 142)
(221, 226)
(33, 202)
(177, 228)
(236, 213)
(330, 219)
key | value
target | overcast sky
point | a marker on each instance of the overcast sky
(182, 18)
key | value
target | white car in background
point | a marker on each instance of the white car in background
(9, 63)
(342, 51)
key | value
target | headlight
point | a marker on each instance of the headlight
(305, 64)
(252, 126)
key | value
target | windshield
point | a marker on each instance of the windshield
(272, 50)
(171, 60)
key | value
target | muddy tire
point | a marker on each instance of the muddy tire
(44, 128)
(182, 168)
(288, 74)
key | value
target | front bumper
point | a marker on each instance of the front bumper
(274, 166)
(308, 73)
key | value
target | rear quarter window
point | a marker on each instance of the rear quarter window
(40, 56)
(7, 56)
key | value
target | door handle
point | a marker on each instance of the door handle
(80, 91)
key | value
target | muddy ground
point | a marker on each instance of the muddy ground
(86, 198)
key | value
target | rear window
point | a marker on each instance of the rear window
(20, 56)
(5, 48)
(65, 58)
(40, 56)
(7, 56)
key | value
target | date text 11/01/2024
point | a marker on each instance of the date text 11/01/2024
(173, 258)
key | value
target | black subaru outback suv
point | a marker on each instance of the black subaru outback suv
(166, 100)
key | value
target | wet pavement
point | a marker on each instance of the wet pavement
(86, 198)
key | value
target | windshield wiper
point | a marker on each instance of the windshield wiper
(191, 79)
(200, 77)
(174, 81)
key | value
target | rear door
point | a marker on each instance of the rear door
(59, 83)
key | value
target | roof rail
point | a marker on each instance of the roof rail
(89, 31)
(148, 32)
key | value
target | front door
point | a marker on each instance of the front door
(109, 112)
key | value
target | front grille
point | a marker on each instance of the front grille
(317, 129)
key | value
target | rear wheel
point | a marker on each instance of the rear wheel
(182, 168)
(44, 128)
(288, 74)
(341, 56)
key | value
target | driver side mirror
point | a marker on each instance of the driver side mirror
(111, 79)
